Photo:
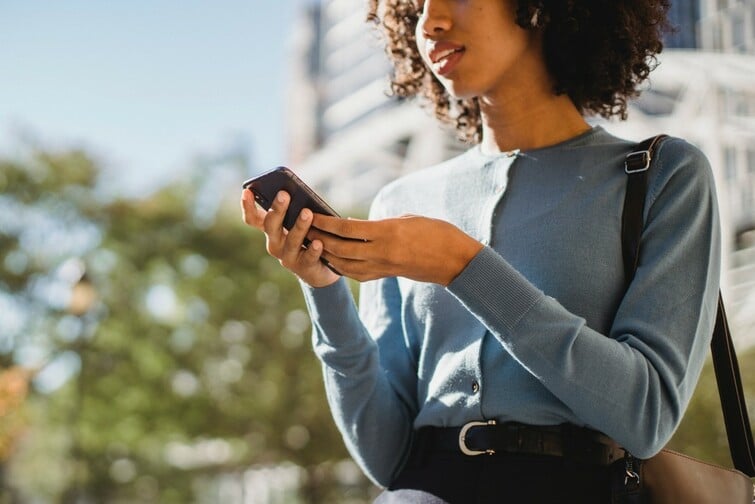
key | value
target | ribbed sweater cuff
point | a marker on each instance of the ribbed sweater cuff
(494, 291)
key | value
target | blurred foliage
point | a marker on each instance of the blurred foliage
(170, 352)
(14, 386)
(702, 433)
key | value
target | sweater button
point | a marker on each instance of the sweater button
(475, 387)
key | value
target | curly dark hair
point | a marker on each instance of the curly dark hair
(597, 51)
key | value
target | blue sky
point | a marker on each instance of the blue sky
(146, 85)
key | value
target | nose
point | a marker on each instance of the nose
(435, 18)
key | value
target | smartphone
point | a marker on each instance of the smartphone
(266, 186)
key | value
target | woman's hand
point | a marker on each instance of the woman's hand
(288, 246)
(420, 248)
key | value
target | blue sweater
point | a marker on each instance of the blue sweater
(538, 328)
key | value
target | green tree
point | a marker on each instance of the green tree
(186, 345)
(702, 433)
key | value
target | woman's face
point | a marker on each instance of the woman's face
(474, 47)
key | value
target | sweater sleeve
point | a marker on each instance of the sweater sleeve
(634, 383)
(370, 377)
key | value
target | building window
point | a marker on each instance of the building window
(730, 164)
(724, 102)
(748, 194)
(717, 38)
(741, 106)
(737, 32)
(658, 101)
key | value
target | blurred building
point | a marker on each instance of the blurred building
(349, 138)
(684, 17)
(727, 25)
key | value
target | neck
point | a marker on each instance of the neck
(533, 119)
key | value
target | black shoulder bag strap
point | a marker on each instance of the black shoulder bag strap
(725, 363)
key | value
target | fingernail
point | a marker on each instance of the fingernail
(306, 215)
(281, 197)
(316, 246)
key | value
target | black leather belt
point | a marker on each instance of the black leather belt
(490, 438)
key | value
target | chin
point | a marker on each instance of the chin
(459, 90)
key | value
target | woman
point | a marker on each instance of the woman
(494, 316)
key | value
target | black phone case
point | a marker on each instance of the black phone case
(266, 186)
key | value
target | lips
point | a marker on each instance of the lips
(444, 56)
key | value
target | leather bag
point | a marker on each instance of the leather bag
(671, 477)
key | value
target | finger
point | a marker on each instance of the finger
(344, 248)
(250, 212)
(357, 273)
(353, 268)
(311, 256)
(356, 229)
(292, 247)
(273, 223)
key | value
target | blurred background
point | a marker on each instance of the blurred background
(149, 350)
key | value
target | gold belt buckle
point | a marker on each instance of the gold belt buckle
(463, 439)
